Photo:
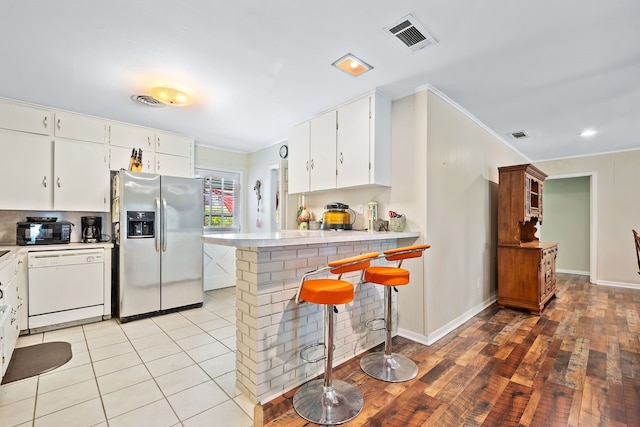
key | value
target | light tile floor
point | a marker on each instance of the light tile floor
(172, 370)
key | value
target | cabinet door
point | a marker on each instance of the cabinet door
(173, 165)
(322, 148)
(25, 168)
(299, 159)
(122, 135)
(171, 143)
(21, 286)
(353, 144)
(83, 128)
(25, 118)
(81, 176)
(119, 159)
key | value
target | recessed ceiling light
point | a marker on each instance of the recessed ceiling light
(171, 96)
(587, 133)
(352, 65)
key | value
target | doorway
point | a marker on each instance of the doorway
(568, 220)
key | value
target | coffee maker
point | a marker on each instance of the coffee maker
(91, 228)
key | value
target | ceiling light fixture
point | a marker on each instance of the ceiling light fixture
(587, 133)
(171, 96)
(352, 65)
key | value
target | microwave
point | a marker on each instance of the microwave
(43, 233)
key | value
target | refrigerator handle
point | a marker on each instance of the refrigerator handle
(156, 226)
(164, 224)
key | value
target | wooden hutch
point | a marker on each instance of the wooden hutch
(526, 266)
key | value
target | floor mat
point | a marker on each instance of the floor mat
(36, 359)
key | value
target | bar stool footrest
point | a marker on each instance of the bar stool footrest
(309, 347)
(369, 324)
(328, 406)
(392, 368)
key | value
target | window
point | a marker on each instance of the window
(221, 195)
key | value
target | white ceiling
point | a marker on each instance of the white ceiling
(551, 68)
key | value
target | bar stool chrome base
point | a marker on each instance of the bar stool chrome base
(394, 368)
(328, 405)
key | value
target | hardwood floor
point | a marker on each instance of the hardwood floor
(578, 364)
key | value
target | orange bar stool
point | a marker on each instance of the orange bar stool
(325, 401)
(389, 366)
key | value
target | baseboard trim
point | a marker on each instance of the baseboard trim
(450, 326)
(578, 272)
(618, 284)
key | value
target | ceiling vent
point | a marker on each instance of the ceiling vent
(518, 135)
(147, 100)
(411, 33)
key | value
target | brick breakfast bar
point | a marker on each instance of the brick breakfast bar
(271, 328)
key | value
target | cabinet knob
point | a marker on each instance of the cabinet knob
(149, 141)
(45, 122)
(58, 182)
(306, 165)
(44, 182)
(158, 141)
(341, 158)
(311, 163)
(158, 165)
(58, 124)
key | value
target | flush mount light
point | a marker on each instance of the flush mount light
(352, 65)
(587, 133)
(170, 96)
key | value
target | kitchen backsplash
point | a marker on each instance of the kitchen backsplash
(8, 220)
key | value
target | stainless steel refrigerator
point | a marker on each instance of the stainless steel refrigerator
(157, 222)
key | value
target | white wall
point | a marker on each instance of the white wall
(462, 189)
(207, 157)
(260, 162)
(617, 210)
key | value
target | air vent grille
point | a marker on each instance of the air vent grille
(518, 135)
(411, 33)
(147, 100)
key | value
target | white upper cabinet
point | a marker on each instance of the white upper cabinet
(322, 152)
(174, 144)
(312, 155)
(173, 165)
(364, 142)
(25, 165)
(123, 135)
(347, 147)
(81, 177)
(119, 158)
(299, 158)
(25, 118)
(353, 144)
(82, 128)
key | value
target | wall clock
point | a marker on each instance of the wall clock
(284, 151)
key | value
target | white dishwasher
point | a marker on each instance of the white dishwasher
(65, 286)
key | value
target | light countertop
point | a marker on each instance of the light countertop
(33, 248)
(300, 237)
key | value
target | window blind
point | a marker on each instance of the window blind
(221, 196)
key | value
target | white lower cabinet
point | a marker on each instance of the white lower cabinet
(9, 329)
(21, 286)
